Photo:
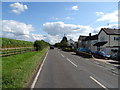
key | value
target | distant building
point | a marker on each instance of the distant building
(90, 41)
(71, 43)
(80, 41)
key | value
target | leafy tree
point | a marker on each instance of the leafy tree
(64, 42)
(57, 44)
(39, 45)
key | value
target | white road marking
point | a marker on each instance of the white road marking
(72, 62)
(38, 73)
(98, 83)
(62, 55)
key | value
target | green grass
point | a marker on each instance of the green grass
(18, 69)
(12, 43)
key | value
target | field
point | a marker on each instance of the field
(18, 69)
(11, 43)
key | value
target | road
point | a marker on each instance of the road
(67, 70)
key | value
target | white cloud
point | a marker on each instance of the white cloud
(17, 30)
(96, 30)
(75, 8)
(60, 28)
(66, 18)
(56, 30)
(15, 27)
(18, 8)
(111, 17)
(99, 13)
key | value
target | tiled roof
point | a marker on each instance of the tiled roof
(94, 37)
(82, 37)
(110, 31)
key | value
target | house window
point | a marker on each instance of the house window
(102, 38)
(117, 38)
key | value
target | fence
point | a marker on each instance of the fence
(8, 52)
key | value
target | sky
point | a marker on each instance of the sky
(49, 21)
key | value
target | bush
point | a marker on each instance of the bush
(39, 45)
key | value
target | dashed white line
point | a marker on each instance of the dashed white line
(38, 73)
(62, 55)
(72, 62)
(98, 83)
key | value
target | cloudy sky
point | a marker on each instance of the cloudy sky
(49, 21)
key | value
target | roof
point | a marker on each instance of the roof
(94, 37)
(110, 31)
(100, 43)
(82, 37)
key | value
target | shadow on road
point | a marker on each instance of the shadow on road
(80, 55)
(115, 63)
(118, 67)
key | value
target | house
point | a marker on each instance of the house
(71, 43)
(80, 41)
(88, 42)
(76, 45)
(108, 40)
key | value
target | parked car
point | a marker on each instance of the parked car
(83, 50)
(101, 54)
(51, 47)
(114, 56)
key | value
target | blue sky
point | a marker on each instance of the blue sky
(63, 17)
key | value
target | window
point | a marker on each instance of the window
(117, 38)
(102, 38)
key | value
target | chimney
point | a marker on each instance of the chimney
(89, 34)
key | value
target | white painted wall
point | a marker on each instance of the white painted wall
(114, 42)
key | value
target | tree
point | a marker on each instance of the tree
(57, 44)
(39, 45)
(64, 42)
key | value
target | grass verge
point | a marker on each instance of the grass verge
(18, 69)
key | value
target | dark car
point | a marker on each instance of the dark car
(101, 54)
(114, 56)
(51, 47)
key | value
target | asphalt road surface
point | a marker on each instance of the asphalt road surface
(67, 70)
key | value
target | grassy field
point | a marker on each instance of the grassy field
(17, 69)
(12, 43)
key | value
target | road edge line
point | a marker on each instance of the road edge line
(38, 73)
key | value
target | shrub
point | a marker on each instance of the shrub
(39, 45)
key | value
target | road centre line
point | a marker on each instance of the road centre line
(62, 55)
(98, 83)
(38, 73)
(72, 62)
